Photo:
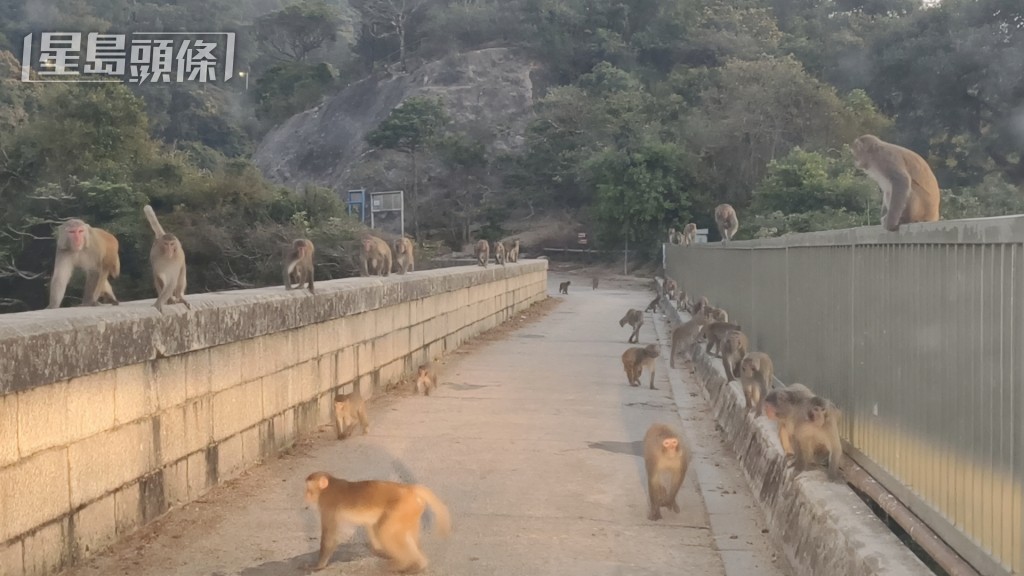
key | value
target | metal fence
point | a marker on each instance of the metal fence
(917, 336)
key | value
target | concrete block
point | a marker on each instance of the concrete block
(198, 417)
(46, 549)
(173, 440)
(274, 390)
(236, 409)
(252, 363)
(198, 475)
(175, 483)
(364, 358)
(330, 336)
(279, 352)
(90, 405)
(252, 447)
(199, 373)
(94, 472)
(12, 559)
(95, 527)
(306, 340)
(347, 365)
(226, 366)
(134, 393)
(8, 429)
(42, 418)
(326, 373)
(230, 458)
(127, 510)
(169, 378)
(306, 380)
(25, 502)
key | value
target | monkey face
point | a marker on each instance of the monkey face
(76, 235)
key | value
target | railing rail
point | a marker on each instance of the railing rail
(917, 336)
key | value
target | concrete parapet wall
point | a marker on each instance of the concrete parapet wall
(110, 416)
(822, 526)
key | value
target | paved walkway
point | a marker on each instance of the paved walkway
(532, 440)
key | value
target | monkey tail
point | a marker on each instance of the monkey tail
(153, 222)
(442, 518)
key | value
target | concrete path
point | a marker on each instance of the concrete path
(533, 440)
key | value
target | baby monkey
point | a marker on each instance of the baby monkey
(756, 378)
(666, 459)
(426, 378)
(635, 359)
(818, 434)
(348, 410)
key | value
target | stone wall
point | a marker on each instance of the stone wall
(111, 416)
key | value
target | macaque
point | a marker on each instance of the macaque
(685, 333)
(348, 409)
(298, 265)
(689, 234)
(653, 306)
(733, 349)
(673, 236)
(670, 288)
(818, 433)
(683, 301)
(701, 306)
(594, 286)
(910, 192)
(666, 459)
(787, 406)
(499, 253)
(483, 252)
(756, 379)
(717, 314)
(635, 359)
(374, 256)
(426, 378)
(727, 222)
(168, 262)
(513, 252)
(405, 260)
(92, 249)
(389, 511)
(563, 288)
(715, 333)
(635, 319)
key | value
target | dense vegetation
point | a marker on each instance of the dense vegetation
(654, 112)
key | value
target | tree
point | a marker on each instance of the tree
(389, 17)
(466, 160)
(298, 29)
(408, 129)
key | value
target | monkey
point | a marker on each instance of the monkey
(389, 511)
(727, 222)
(715, 333)
(653, 306)
(685, 333)
(483, 252)
(818, 432)
(405, 261)
(499, 253)
(374, 256)
(689, 234)
(168, 262)
(513, 252)
(683, 301)
(701, 306)
(298, 264)
(594, 285)
(426, 378)
(756, 379)
(717, 314)
(910, 192)
(670, 288)
(733, 348)
(563, 288)
(635, 359)
(787, 406)
(664, 455)
(92, 249)
(673, 236)
(348, 408)
(634, 318)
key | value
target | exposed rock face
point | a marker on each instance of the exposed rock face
(488, 93)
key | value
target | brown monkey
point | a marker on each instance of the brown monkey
(683, 301)
(405, 261)
(664, 455)
(348, 409)
(563, 288)
(910, 192)
(717, 314)
(499, 253)
(92, 249)
(634, 318)
(426, 378)
(817, 433)
(756, 378)
(685, 333)
(389, 511)
(733, 349)
(701, 306)
(635, 359)
(787, 406)
(670, 288)
(168, 262)
(298, 264)
(653, 306)
(715, 333)
(689, 234)
(513, 252)
(374, 256)
(594, 286)
(673, 236)
(727, 222)
(483, 252)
